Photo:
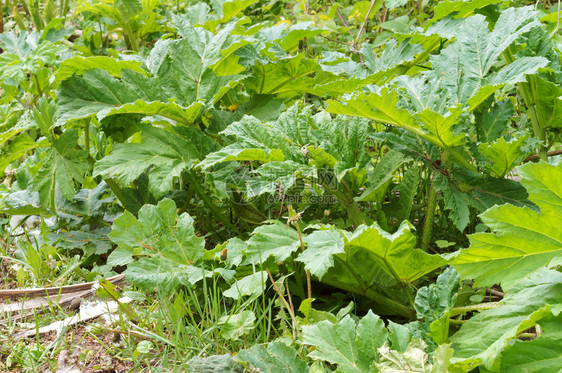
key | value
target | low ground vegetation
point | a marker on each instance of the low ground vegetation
(287, 186)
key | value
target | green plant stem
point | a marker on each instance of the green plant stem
(308, 281)
(429, 216)
(64, 8)
(284, 302)
(39, 91)
(371, 6)
(475, 307)
(87, 135)
(380, 298)
(133, 43)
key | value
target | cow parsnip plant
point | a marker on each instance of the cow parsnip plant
(306, 186)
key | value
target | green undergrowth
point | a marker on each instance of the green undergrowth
(369, 186)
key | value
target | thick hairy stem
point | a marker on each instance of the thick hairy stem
(475, 307)
(429, 216)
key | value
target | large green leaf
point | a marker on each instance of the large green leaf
(321, 246)
(183, 80)
(523, 239)
(542, 354)
(167, 245)
(277, 357)
(186, 66)
(391, 58)
(490, 122)
(97, 93)
(286, 77)
(413, 359)
(61, 166)
(434, 302)
(277, 240)
(235, 326)
(549, 103)
(478, 191)
(466, 63)
(504, 155)
(382, 175)
(163, 154)
(483, 337)
(78, 65)
(353, 347)
(230, 9)
(394, 253)
(250, 285)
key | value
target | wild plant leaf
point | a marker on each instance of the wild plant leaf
(549, 103)
(214, 363)
(408, 189)
(462, 8)
(236, 152)
(277, 357)
(537, 355)
(250, 285)
(97, 93)
(385, 107)
(382, 107)
(185, 65)
(167, 243)
(399, 336)
(61, 167)
(503, 155)
(96, 240)
(481, 192)
(456, 201)
(255, 140)
(277, 240)
(230, 9)
(164, 154)
(78, 65)
(297, 32)
(182, 81)
(490, 123)
(394, 253)
(21, 145)
(237, 325)
(523, 240)
(25, 53)
(353, 347)
(435, 300)
(465, 63)
(382, 175)
(321, 246)
(483, 337)
(286, 77)
(22, 202)
(413, 359)
(442, 126)
(387, 65)
(87, 202)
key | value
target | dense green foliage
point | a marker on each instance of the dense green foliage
(314, 186)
